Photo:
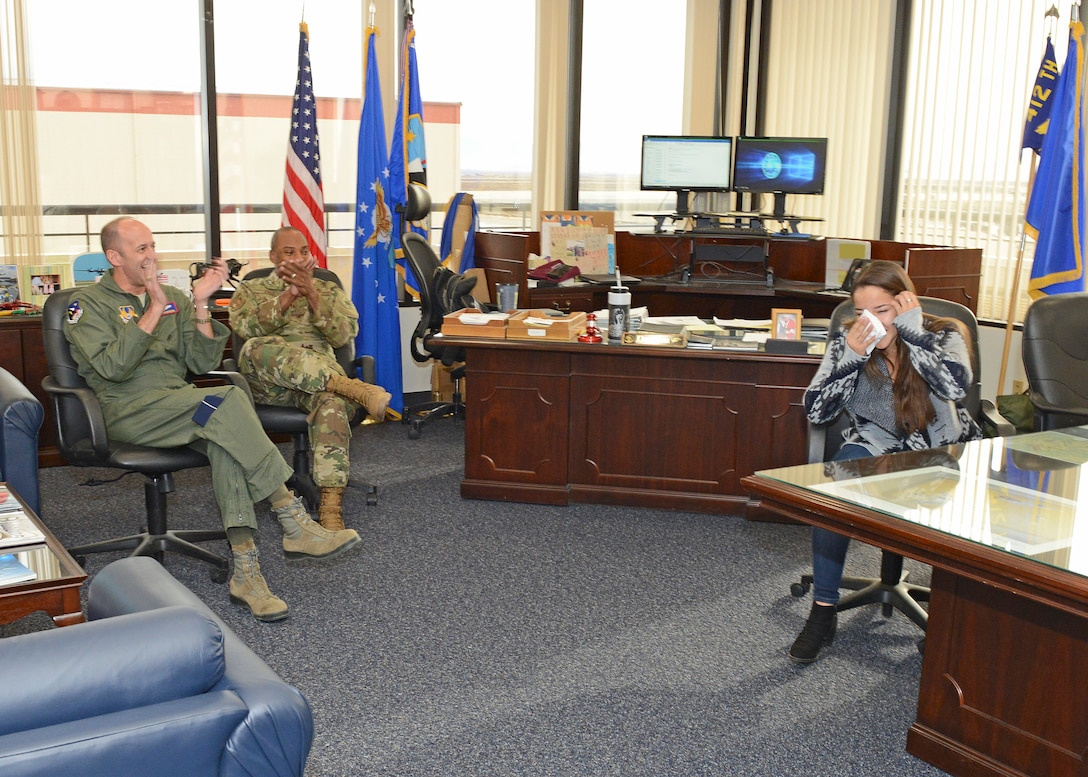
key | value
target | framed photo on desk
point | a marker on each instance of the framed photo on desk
(785, 324)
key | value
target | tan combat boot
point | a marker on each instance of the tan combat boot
(248, 588)
(331, 512)
(374, 398)
(302, 538)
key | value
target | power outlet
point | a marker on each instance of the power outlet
(1019, 386)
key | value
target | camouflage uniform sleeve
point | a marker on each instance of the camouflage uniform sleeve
(255, 311)
(336, 317)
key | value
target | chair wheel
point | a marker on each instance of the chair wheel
(413, 432)
(82, 561)
(220, 575)
(798, 589)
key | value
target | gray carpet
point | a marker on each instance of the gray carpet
(485, 638)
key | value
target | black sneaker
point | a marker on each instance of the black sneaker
(819, 631)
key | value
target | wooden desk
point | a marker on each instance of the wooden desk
(1004, 687)
(937, 271)
(56, 588)
(554, 423)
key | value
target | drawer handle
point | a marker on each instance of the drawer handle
(560, 308)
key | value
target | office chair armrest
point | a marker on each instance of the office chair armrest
(1041, 404)
(817, 442)
(367, 368)
(232, 377)
(993, 423)
(96, 422)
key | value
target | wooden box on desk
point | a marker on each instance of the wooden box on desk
(490, 324)
(526, 325)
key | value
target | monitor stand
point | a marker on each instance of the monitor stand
(780, 206)
(683, 196)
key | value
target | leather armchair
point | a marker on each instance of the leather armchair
(20, 421)
(154, 685)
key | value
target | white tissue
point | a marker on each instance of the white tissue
(878, 331)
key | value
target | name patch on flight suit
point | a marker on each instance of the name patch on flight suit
(75, 312)
(127, 312)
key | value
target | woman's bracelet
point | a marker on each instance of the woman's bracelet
(207, 319)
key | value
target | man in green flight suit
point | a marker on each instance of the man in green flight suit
(293, 323)
(135, 341)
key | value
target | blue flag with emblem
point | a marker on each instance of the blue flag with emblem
(1055, 214)
(408, 151)
(1039, 104)
(374, 280)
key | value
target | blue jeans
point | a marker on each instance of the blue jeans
(829, 548)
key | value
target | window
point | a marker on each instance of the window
(964, 180)
(629, 89)
(118, 120)
(476, 57)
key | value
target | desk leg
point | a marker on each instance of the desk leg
(1004, 687)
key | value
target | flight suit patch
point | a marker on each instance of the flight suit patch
(75, 312)
(127, 312)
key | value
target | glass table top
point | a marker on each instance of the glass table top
(1026, 495)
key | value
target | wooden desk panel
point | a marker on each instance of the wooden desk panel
(1004, 684)
(669, 428)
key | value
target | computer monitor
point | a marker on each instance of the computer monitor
(685, 164)
(780, 166)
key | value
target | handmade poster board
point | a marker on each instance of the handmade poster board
(586, 239)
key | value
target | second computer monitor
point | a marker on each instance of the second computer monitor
(780, 166)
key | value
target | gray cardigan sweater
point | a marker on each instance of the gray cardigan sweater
(841, 385)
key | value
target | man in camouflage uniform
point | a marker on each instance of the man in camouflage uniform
(293, 323)
(135, 340)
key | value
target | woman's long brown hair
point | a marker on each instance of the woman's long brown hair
(913, 407)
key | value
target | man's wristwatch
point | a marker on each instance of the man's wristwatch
(207, 319)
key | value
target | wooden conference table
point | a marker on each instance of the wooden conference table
(1004, 522)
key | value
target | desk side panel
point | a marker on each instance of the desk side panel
(516, 425)
(1004, 683)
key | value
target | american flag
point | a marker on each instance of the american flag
(303, 198)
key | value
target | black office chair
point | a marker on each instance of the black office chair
(83, 442)
(1055, 351)
(892, 589)
(424, 264)
(276, 419)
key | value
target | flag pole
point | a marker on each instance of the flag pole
(1051, 16)
(1013, 296)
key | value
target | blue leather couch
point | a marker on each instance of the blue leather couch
(154, 684)
(20, 421)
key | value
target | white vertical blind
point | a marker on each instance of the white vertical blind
(20, 198)
(962, 180)
(828, 76)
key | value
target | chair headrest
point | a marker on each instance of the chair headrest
(419, 203)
